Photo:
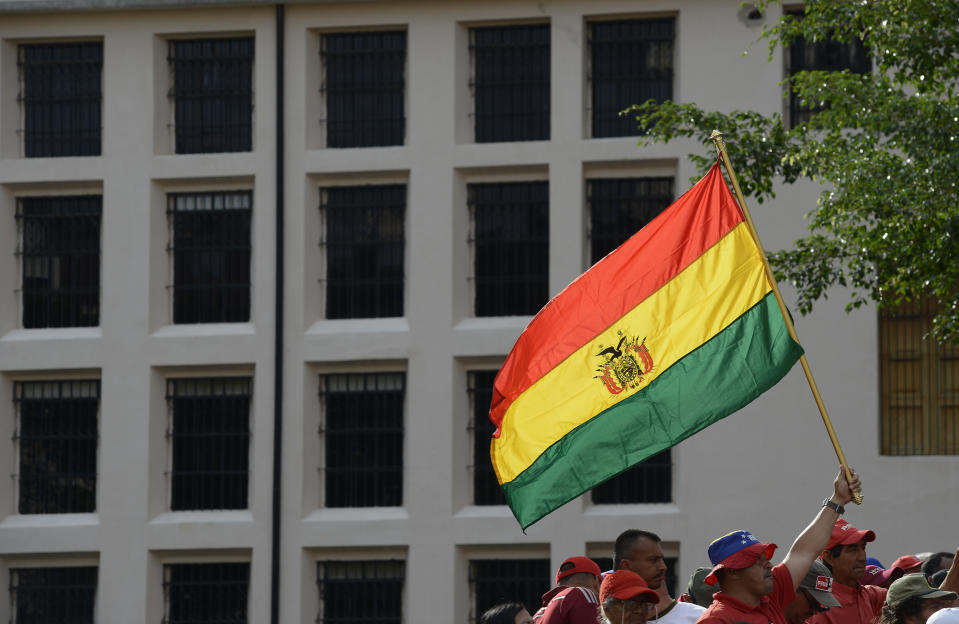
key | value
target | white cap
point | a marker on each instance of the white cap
(949, 615)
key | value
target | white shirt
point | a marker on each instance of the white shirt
(680, 613)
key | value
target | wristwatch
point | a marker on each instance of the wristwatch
(839, 509)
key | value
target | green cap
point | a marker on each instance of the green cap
(701, 593)
(913, 585)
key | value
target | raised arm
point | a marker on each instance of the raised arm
(814, 538)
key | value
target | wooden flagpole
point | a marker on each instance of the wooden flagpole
(717, 138)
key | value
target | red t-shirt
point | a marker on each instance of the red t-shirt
(572, 605)
(860, 605)
(771, 608)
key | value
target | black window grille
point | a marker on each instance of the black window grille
(631, 61)
(209, 434)
(821, 56)
(211, 253)
(510, 242)
(620, 207)
(59, 249)
(672, 564)
(212, 94)
(60, 98)
(919, 383)
(511, 82)
(486, 489)
(57, 442)
(195, 593)
(493, 581)
(362, 432)
(45, 595)
(361, 592)
(363, 240)
(650, 481)
(364, 88)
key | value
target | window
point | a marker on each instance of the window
(210, 251)
(363, 237)
(486, 489)
(510, 82)
(510, 242)
(630, 61)
(362, 433)
(209, 433)
(195, 593)
(650, 481)
(62, 595)
(620, 207)
(821, 56)
(361, 592)
(56, 437)
(212, 94)
(919, 384)
(493, 581)
(60, 98)
(363, 88)
(59, 249)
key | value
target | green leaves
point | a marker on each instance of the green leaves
(885, 149)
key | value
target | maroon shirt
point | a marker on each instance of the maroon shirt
(771, 608)
(568, 605)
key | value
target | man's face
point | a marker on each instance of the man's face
(635, 611)
(757, 578)
(647, 561)
(803, 607)
(850, 565)
(930, 606)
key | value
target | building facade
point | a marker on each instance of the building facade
(337, 218)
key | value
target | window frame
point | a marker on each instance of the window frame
(170, 586)
(397, 589)
(62, 612)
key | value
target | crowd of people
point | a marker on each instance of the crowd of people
(824, 578)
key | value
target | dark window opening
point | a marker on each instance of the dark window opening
(212, 94)
(361, 592)
(211, 252)
(61, 97)
(209, 433)
(59, 249)
(650, 481)
(631, 61)
(61, 595)
(511, 82)
(510, 243)
(198, 593)
(364, 88)
(486, 489)
(493, 581)
(364, 242)
(362, 433)
(620, 207)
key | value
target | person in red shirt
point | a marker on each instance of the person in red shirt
(845, 555)
(574, 599)
(626, 598)
(755, 592)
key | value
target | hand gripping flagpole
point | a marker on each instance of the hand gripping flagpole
(717, 138)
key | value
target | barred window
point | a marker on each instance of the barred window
(195, 593)
(919, 383)
(212, 94)
(211, 253)
(493, 581)
(486, 489)
(620, 207)
(510, 244)
(61, 595)
(56, 438)
(510, 82)
(362, 433)
(59, 250)
(363, 241)
(209, 436)
(630, 62)
(363, 88)
(60, 98)
(650, 481)
(672, 564)
(361, 592)
(821, 56)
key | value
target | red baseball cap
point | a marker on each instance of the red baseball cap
(625, 585)
(906, 562)
(845, 533)
(877, 576)
(580, 564)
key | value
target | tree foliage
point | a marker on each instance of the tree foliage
(885, 147)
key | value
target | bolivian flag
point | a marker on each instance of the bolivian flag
(674, 330)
